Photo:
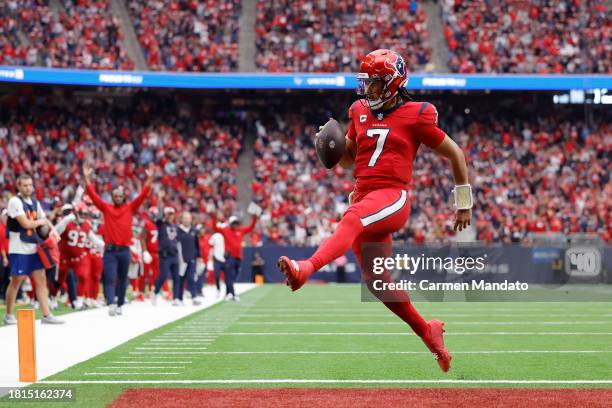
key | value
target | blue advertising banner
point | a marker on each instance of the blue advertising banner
(340, 81)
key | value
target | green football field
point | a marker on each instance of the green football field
(324, 336)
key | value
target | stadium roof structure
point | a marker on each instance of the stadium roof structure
(303, 81)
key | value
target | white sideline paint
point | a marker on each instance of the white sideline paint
(440, 314)
(147, 373)
(89, 333)
(412, 334)
(400, 323)
(151, 362)
(135, 368)
(414, 352)
(303, 381)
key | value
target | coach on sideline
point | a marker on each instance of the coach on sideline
(117, 237)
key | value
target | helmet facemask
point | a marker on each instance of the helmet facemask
(364, 82)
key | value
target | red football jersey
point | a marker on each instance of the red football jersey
(152, 242)
(74, 240)
(387, 145)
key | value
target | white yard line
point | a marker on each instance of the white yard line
(411, 352)
(151, 362)
(166, 352)
(368, 323)
(440, 314)
(170, 348)
(136, 368)
(91, 333)
(326, 381)
(164, 373)
(412, 334)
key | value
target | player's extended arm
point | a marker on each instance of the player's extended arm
(451, 151)
(60, 227)
(348, 157)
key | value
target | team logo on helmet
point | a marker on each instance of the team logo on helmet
(398, 66)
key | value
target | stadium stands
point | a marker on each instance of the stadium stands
(197, 160)
(83, 34)
(536, 37)
(532, 173)
(314, 36)
(518, 168)
(188, 35)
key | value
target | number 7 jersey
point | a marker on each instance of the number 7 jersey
(387, 145)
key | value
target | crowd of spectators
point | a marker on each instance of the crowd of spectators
(188, 35)
(50, 137)
(540, 36)
(531, 173)
(547, 173)
(333, 36)
(80, 34)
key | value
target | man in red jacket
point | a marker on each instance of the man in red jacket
(233, 236)
(117, 236)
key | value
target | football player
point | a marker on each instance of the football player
(384, 133)
(96, 248)
(74, 254)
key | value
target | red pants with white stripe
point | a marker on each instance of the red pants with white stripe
(82, 270)
(366, 227)
(371, 218)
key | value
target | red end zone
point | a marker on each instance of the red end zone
(343, 397)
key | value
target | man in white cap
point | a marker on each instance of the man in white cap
(233, 236)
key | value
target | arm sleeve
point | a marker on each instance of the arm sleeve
(351, 132)
(96, 240)
(137, 202)
(60, 227)
(95, 198)
(78, 195)
(426, 127)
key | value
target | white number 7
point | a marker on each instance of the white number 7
(380, 143)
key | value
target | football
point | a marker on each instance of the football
(330, 144)
(43, 231)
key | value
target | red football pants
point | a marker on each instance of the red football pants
(97, 267)
(366, 227)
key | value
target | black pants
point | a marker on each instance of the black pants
(116, 265)
(189, 279)
(218, 267)
(168, 268)
(232, 270)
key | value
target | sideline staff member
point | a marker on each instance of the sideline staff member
(118, 218)
(25, 214)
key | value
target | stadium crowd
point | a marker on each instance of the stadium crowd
(82, 34)
(531, 173)
(320, 36)
(539, 36)
(311, 36)
(518, 166)
(188, 35)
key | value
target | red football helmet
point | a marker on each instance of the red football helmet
(381, 65)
